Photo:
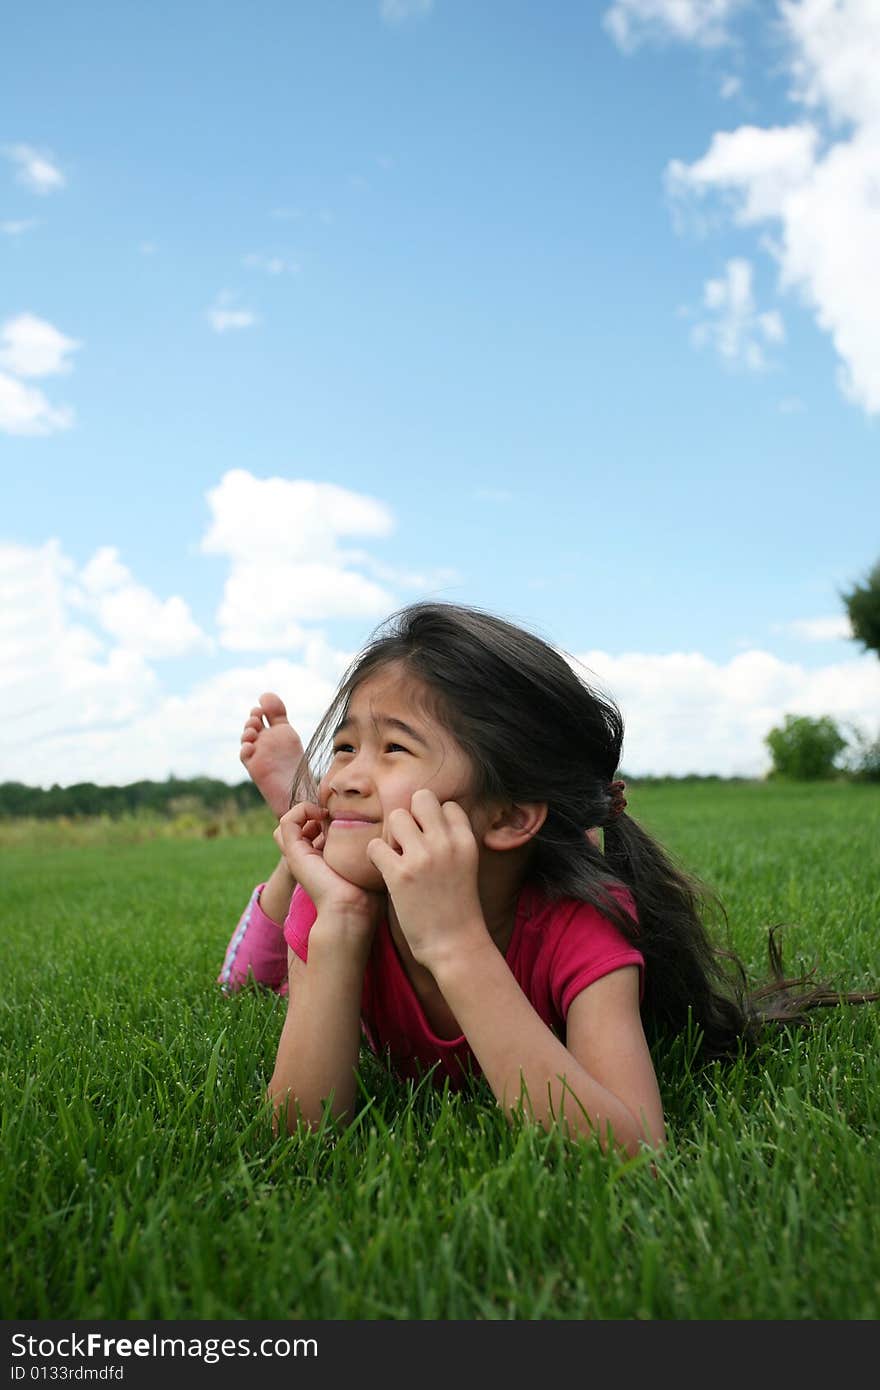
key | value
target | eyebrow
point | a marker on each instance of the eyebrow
(385, 721)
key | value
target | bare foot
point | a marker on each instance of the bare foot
(271, 751)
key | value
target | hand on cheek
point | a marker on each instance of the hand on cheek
(429, 863)
(301, 835)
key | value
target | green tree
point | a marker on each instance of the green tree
(805, 749)
(863, 607)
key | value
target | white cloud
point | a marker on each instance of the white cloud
(703, 22)
(223, 316)
(36, 169)
(821, 629)
(29, 346)
(731, 86)
(815, 182)
(760, 169)
(221, 320)
(398, 11)
(57, 675)
(836, 56)
(738, 331)
(685, 713)
(80, 699)
(281, 536)
(77, 707)
(25, 410)
(133, 616)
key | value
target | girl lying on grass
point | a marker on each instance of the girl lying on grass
(444, 892)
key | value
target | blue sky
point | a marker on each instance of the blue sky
(308, 310)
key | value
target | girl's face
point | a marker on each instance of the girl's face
(387, 748)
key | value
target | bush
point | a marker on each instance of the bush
(805, 749)
(863, 761)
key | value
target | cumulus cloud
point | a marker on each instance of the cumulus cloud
(36, 169)
(131, 614)
(25, 410)
(282, 536)
(703, 22)
(188, 735)
(813, 185)
(81, 698)
(737, 330)
(685, 713)
(31, 347)
(56, 674)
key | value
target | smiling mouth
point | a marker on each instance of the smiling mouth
(351, 821)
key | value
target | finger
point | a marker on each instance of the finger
(454, 814)
(382, 857)
(401, 829)
(304, 811)
(426, 810)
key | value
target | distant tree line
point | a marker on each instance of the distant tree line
(161, 798)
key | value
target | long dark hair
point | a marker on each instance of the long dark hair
(535, 730)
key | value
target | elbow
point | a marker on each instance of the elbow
(287, 1112)
(290, 1115)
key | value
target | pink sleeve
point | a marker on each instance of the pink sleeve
(256, 951)
(300, 920)
(590, 948)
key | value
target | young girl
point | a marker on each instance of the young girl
(444, 891)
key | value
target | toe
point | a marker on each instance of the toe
(272, 706)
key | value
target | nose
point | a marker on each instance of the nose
(354, 779)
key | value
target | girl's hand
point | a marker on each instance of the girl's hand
(300, 836)
(429, 863)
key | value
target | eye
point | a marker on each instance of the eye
(395, 748)
(342, 748)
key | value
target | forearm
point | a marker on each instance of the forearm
(276, 895)
(320, 1043)
(523, 1061)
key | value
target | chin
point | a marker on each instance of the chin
(356, 868)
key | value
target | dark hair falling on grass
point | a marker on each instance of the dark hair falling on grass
(536, 731)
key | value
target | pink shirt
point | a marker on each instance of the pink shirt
(556, 950)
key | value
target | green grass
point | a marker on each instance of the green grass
(140, 1177)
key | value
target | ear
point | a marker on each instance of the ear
(514, 825)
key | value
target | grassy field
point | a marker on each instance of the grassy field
(140, 1178)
